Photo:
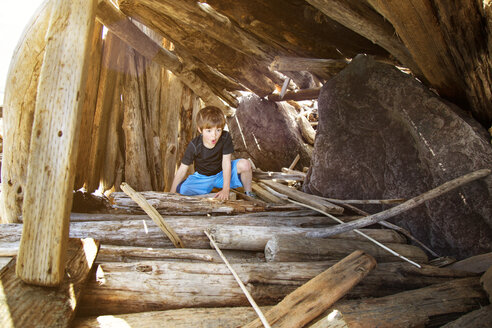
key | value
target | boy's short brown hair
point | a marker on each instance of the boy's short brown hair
(210, 117)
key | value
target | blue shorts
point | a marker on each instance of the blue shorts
(199, 184)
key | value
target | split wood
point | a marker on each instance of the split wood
(152, 212)
(409, 204)
(243, 288)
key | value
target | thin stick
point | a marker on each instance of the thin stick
(245, 291)
(294, 162)
(360, 233)
(409, 204)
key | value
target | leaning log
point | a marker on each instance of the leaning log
(23, 305)
(255, 238)
(430, 306)
(478, 263)
(311, 299)
(53, 149)
(282, 248)
(150, 285)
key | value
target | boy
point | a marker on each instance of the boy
(211, 151)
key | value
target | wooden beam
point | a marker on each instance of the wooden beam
(23, 305)
(318, 294)
(325, 68)
(53, 152)
(19, 103)
(298, 95)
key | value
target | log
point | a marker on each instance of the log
(284, 248)
(486, 281)
(295, 194)
(174, 204)
(409, 204)
(23, 305)
(19, 106)
(53, 149)
(478, 318)
(325, 68)
(265, 195)
(311, 299)
(225, 317)
(150, 285)
(430, 306)
(255, 238)
(298, 95)
(260, 175)
(478, 263)
(307, 131)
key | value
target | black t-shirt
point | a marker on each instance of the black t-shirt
(208, 161)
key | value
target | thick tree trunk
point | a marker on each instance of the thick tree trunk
(18, 112)
(53, 148)
(284, 248)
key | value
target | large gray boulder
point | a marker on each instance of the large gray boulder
(382, 134)
(267, 132)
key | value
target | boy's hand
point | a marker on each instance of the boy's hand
(223, 195)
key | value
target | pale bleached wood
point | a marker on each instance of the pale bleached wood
(429, 306)
(23, 305)
(318, 294)
(89, 107)
(255, 238)
(265, 195)
(304, 198)
(298, 95)
(225, 317)
(325, 68)
(154, 215)
(18, 111)
(307, 131)
(478, 263)
(53, 149)
(284, 248)
(409, 204)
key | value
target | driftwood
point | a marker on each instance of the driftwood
(475, 319)
(154, 215)
(430, 306)
(311, 299)
(295, 194)
(265, 195)
(224, 317)
(150, 285)
(486, 281)
(23, 305)
(299, 95)
(255, 238)
(282, 248)
(409, 204)
(478, 263)
(53, 149)
(174, 204)
(260, 175)
(307, 131)
(325, 68)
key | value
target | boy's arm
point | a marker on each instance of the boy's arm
(226, 169)
(180, 176)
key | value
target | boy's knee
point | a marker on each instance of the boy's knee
(243, 165)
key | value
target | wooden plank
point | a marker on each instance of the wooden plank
(308, 199)
(19, 106)
(284, 248)
(52, 157)
(23, 305)
(318, 294)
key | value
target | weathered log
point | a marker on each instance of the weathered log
(283, 248)
(174, 204)
(324, 68)
(475, 319)
(307, 131)
(325, 206)
(409, 204)
(18, 113)
(255, 238)
(478, 263)
(53, 149)
(486, 281)
(311, 299)
(430, 306)
(23, 305)
(224, 317)
(265, 195)
(298, 95)
(260, 175)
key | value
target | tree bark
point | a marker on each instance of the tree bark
(283, 248)
(53, 148)
(311, 299)
(18, 112)
(23, 305)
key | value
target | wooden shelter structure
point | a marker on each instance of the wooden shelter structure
(103, 92)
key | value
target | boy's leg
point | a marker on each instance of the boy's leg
(245, 172)
(235, 179)
(196, 184)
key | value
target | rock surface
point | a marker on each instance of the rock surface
(267, 132)
(382, 134)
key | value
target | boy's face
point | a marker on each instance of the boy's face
(211, 136)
